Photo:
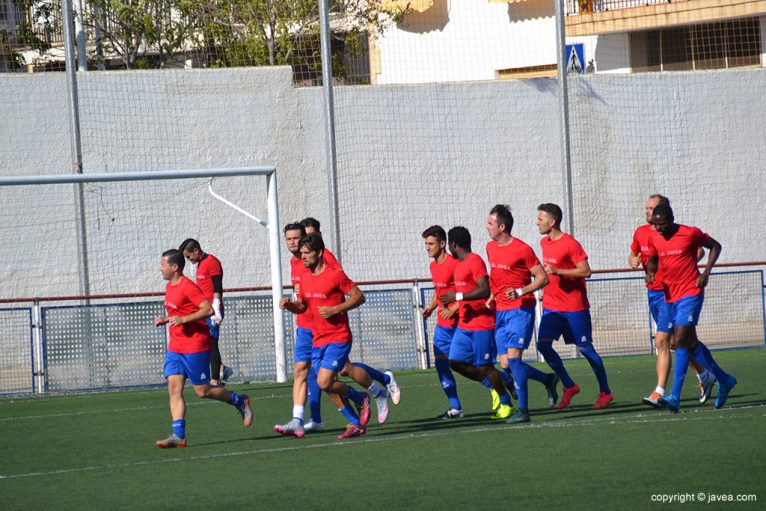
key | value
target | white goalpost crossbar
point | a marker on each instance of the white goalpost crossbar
(272, 224)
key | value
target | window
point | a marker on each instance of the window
(720, 45)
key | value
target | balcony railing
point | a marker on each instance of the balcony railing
(575, 7)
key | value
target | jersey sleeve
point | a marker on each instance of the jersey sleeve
(478, 269)
(215, 268)
(651, 249)
(577, 253)
(529, 258)
(194, 293)
(344, 283)
(635, 246)
(699, 238)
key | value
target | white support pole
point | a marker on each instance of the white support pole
(38, 351)
(420, 331)
(276, 277)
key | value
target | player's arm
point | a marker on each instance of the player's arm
(217, 298)
(539, 280)
(634, 260)
(354, 300)
(449, 311)
(581, 271)
(715, 250)
(298, 306)
(480, 292)
(652, 265)
(427, 311)
(700, 253)
(205, 310)
(490, 303)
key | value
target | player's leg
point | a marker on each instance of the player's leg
(301, 368)
(327, 359)
(519, 329)
(552, 326)
(197, 365)
(726, 381)
(461, 355)
(581, 332)
(503, 337)
(357, 373)
(485, 357)
(441, 345)
(385, 378)
(177, 411)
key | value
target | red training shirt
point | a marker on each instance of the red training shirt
(297, 269)
(678, 261)
(564, 294)
(443, 277)
(474, 314)
(641, 247)
(327, 289)
(510, 268)
(181, 300)
(207, 268)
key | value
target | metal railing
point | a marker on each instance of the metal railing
(594, 6)
(46, 347)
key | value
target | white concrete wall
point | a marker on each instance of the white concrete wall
(409, 157)
(442, 43)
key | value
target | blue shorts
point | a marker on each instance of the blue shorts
(514, 328)
(443, 339)
(215, 330)
(195, 366)
(574, 326)
(475, 347)
(331, 356)
(660, 310)
(686, 311)
(303, 346)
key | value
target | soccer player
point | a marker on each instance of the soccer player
(209, 278)
(311, 225)
(442, 274)
(472, 351)
(659, 309)
(188, 354)
(304, 374)
(323, 290)
(674, 251)
(566, 311)
(515, 273)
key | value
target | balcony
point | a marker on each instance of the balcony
(593, 17)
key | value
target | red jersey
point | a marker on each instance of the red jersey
(208, 268)
(297, 269)
(181, 300)
(641, 247)
(510, 268)
(678, 261)
(327, 289)
(443, 277)
(564, 294)
(474, 314)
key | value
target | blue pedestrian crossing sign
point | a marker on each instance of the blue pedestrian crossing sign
(575, 58)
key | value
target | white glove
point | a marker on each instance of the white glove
(217, 318)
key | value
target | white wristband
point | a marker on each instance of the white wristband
(458, 297)
(519, 292)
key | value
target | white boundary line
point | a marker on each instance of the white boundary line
(574, 422)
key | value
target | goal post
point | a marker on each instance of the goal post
(272, 223)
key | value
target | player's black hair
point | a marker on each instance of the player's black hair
(661, 198)
(437, 231)
(311, 222)
(175, 257)
(460, 236)
(553, 211)
(189, 244)
(295, 226)
(313, 241)
(504, 216)
(663, 211)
